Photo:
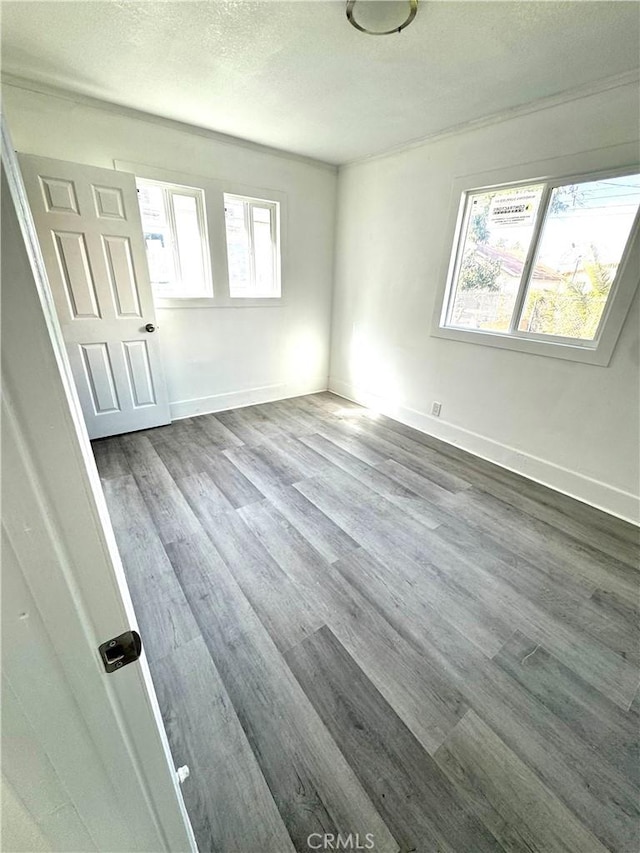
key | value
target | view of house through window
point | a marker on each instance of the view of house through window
(541, 260)
(175, 236)
(253, 247)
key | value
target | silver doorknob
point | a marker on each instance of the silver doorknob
(150, 328)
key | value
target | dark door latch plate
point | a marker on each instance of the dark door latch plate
(121, 650)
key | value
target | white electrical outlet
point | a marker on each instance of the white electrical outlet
(435, 409)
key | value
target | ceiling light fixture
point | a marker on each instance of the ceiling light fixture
(413, 8)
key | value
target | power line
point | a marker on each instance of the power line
(616, 184)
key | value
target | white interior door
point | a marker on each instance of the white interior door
(84, 751)
(88, 225)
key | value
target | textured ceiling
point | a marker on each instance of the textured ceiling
(296, 76)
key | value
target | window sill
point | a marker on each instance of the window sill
(598, 355)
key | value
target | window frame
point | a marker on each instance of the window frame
(169, 190)
(623, 288)
(214, 189)
(249, 202)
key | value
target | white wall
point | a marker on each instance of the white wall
(214, 357)
(570, 425)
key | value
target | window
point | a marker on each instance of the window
(175, 235)
(541, 261)
(253, 246)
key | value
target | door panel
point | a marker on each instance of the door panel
(100, 378)
(88, 224)
(122, 276)
(75, 274)
(139, 369)
(59, 196)
(109, 202)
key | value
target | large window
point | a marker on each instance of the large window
(542, 260)
(175, 235)
(253, 247)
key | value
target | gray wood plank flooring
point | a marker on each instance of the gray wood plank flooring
(354, 628)
(414, 797)
(204, 730)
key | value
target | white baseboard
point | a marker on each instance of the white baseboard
(248, 397)
(596, 493)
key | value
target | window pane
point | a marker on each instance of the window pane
(585, 232)
(252, 248)
(497, 234)
(237, 247)
(261, 214)
(189, 242)
(263, 249)
(157, 238)
(152, 209)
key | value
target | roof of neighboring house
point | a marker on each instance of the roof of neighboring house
(512, 264)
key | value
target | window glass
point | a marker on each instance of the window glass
(252, 247)
(583, 239)
(189, 243)
(263, 249)
(498, 228)
(157, 238)
(175, 236)
(237, 246)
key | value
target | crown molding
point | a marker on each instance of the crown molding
(51, 91)
(627, 78)
(606, 84)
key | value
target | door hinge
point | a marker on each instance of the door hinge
(121, 650)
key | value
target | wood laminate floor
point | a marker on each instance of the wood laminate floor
(356, 630)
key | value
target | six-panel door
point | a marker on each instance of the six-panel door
(88, 224)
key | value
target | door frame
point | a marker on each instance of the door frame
(75, 575)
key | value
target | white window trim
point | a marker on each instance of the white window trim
(198, 194)
(274, 206)
(214, 190)
(597, 352)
